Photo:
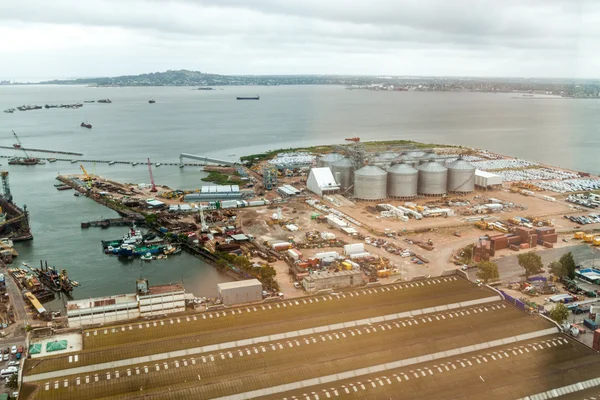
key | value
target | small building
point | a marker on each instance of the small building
(239, 292)
(160, 299)
(155, 204)
(332, 280)
(321, 181)
(487, 180)
(102, 310)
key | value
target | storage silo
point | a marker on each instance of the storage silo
(415, 155)
(402, 181)
(433, 179)
(428, 156)
(326, 160)
(461, 176)
(405, 158)
(346, 170)
(370, 183)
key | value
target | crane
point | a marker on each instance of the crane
(151, 177)
(87, 176)
(19, 145)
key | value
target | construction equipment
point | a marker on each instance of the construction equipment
(85, 173)
(6, 186)
(482, 224)
(19, 145)
(8, 221)
(153, 189)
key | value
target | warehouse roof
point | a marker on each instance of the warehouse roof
(324, 178)
(485, 174)
(239, 284)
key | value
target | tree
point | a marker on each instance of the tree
(559, 313)
(221, 264)
(487, 271)
(568, 263)
(151, 219)
(557, 269)
(531, 263)
(267, 275)
(13, 382)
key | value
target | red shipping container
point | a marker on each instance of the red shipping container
(524, 246)
(551, 238)
(514, 247)
(548, 245)
(597, 335)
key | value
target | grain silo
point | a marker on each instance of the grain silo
(345, 168)
(326, 160)
(415, 155)
(461, 176)
(370, 183)
(433, 178)
(385, 157)
(429, 156)
(402, 181)
(405, 158)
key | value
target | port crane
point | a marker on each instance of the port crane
(19, 145)
(85, 173)
(151, 177)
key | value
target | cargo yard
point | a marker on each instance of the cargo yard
(414, 338)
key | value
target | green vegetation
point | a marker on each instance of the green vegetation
(266, 274)
(222, 179)
(487, 271)
(564, 267)
(12, 382)
(559, 313)
(531, 263)
(151, 219)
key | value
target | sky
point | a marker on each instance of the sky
(515, 38)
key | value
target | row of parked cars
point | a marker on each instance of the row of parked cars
(13, 365)
(584, 220)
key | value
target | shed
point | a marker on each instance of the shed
(240, 237)
(321, 181)
(56, 346)
(486, 179)
(239, 292)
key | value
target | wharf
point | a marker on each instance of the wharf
(110, 162)
(105, 223)
(69, 153)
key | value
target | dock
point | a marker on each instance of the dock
(108, 222)
(42, 150)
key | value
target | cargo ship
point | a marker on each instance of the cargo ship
(257, 97)
(353, 139)
(25, 161)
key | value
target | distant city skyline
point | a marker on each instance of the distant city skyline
(480, 38)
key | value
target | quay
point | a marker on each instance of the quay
(42, 150)
(108, 222)
(111, 162)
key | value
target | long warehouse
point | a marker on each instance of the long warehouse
(442, 338)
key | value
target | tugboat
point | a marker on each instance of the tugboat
(104, 101)
(151, 101)
(86, 125)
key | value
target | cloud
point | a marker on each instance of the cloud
(426, 37)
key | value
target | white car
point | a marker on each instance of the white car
(5, 357)
(297, 285)
(13, 350)
(14, 363)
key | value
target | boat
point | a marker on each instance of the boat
(89, 101)
(104, 101)
(64, 187)
(24, 161)
(205, 88)
(74, 283)
(146, 257)
(65, 282)
(73, 161)
(161, 257)
(177, 251)
(133, 164)
(16, 145)
(76, 194)
(353, 139)
(157, 164)
(86, 125)
(257, 97)
(9, 110)
(133, 236)
(51, 159)
(49, 277)
(151, 101)
(111, 162)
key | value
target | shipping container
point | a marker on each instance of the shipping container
(295, 254)
(354, 248)
(360, 255)
(325, 254)
(590, 324)
(281, 246)
(524, 246)
(514, 247)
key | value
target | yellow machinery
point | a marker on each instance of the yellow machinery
(542, 222)
(596, 241)
(501, 228)
(515, 221)
(588, 238)
(483, 225)
(87, 176)
(578, 235)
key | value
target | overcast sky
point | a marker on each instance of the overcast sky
(81, 38)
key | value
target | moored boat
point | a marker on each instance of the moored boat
(86, 125)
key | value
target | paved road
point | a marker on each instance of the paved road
(509, 268)
(16, 299)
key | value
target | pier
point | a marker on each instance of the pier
(108, 222)
(42, 150)
(111, 162)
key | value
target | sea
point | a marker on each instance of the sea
(556, 131)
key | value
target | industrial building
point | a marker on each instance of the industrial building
(240, 292)
(433, 179)
(343, 172)
(461, 177)
(370, 183)
(318, 281)
(402, 181)
(321, 181)
(443, 338)
(327, 160)
(147, 301)
(215, 192)
(487, 180)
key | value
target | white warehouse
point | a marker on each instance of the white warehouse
(485, 180)
(321, 181)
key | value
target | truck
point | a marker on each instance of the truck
(590, 324)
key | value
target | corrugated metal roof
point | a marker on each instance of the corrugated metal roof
(370, 170)
(239, 284)
(402, 169)
(344, 162)
(462, 165)
(432, 166)
(331, 157)
(324, 178)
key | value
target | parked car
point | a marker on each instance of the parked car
(18, 356)
(14, 364)
(5, 357)
(13, 350)
(297, 285)
(20, 349)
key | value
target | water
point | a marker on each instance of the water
(213, 123)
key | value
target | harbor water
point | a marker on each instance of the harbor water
(212, 123)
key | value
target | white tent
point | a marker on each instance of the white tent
(321, 181)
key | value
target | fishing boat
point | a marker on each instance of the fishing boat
(86, 125)
(146, 257)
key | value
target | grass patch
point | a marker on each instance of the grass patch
(222, 179)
